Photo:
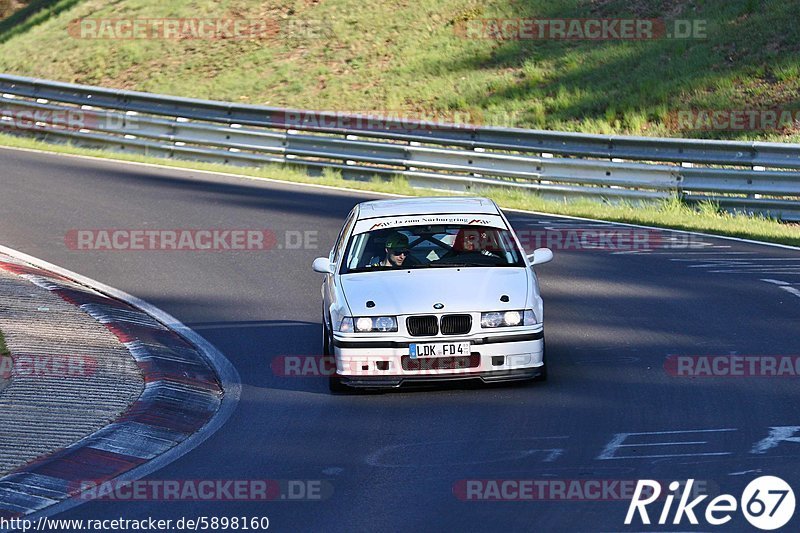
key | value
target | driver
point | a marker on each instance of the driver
(396, 251)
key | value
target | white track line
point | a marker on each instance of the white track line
(792, 290)
(785, 285)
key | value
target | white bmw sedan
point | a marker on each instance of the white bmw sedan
(431, 289)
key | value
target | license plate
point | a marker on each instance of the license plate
(444, 349)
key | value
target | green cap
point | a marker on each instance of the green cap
(397, 241)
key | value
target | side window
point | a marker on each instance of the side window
(340, 242)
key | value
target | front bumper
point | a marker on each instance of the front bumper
(496, 376)
(386, 363)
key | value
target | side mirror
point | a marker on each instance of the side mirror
(541, 256)
(322, 265)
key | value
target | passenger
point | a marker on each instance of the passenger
(474, 240)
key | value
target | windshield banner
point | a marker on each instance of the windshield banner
(372, 224)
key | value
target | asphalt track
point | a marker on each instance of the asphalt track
(393, 459)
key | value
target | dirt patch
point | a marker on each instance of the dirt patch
(9, 7)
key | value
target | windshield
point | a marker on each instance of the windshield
(451, 245)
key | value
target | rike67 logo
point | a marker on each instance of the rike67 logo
(767, 503)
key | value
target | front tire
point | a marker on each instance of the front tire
(335, 385)
(327, 349)
(334, 382)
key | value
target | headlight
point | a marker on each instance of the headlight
(512, 318)
(385, 323)
(500, 319)
(491, 320)
(365, 324)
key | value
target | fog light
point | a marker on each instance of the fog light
(518, 360)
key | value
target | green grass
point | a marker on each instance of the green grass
(669, 214)
(3, 348)
(398, 56)
(5, 362)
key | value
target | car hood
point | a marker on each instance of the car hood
(403, 292)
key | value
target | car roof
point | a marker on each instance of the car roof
(436, 205)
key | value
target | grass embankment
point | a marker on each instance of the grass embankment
(669, 214)
(407, 57)
(3, 348)
(5, 361)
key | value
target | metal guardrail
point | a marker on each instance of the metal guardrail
(745, 176)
